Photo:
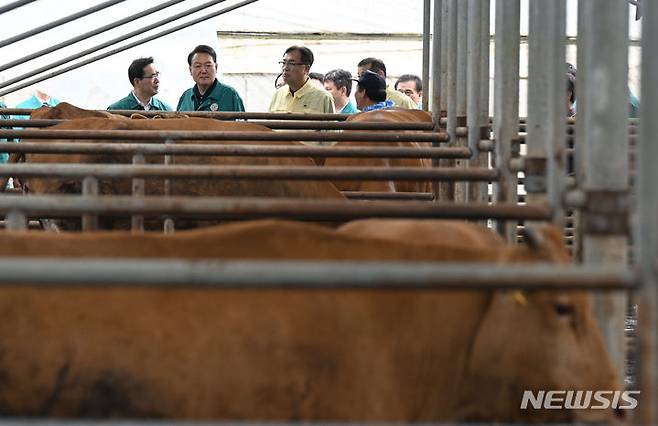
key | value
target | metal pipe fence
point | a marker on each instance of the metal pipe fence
(242, 208)
(280, 124)
(352, 136)
(121, 171)
(218, 115)
(14, 5)
(298, 274)
(234, 150)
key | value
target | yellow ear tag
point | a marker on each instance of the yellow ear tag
(520, 298)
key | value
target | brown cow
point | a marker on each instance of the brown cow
(192, 187)
(424, 231)
(65, 111)
(280, 355)
(385, 116)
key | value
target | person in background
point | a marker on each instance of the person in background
(317, 79)
(208, 94)
(412, 86)
(145, 79)
(633, 101)
(378, 67)
(300, 94)
(371, 92)
(339, 83)
(571, 95)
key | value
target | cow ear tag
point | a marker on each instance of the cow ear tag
(520, 298)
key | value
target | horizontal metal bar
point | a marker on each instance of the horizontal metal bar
(241, 208)
(297, 274)
(59, 22)
(87, 35)
(273, 124)
(117, 171)
(14, 5)
(218, 115)
(235, 150)
(372, 195)
(227, 135)
(67, 422)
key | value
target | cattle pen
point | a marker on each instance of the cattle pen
(608, 199)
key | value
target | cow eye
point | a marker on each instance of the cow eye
(564, 309)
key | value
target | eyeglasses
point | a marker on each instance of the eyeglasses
(284, 64)
(204, 66)
(152, 76)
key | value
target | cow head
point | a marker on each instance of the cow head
(533, 341)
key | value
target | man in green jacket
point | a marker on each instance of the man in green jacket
(208, 94)
(145, 79)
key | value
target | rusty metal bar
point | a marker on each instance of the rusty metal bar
(234, 150)
(90, 188)
(15, 220)
(87, 35)
(273, 124)
(218, 115)
(169, 224)
(174, 273)
(58, 22)
(427, 10)
(364, 195)
(228, 135)
(138, 189)
(242, 208)
(124, 171)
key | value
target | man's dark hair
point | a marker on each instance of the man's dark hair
(202, 48)
(316, 76)
(410, 77)
(304, 52)
(571, 86)
(136, 68)
(340, 78)
(373, 64)
(571, 69)
(374, 85)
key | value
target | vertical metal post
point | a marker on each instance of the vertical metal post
(448, 188)
(506, 104)
(16, 220)
(137, 221)
(646, 229)
(473, 94)
(461, 96)
(427, 6)
(169, 226)
(89, 189)
(546, 104)
(437, 66)
(436, 81)
(485, 62)
(443, 102)
(605, 153)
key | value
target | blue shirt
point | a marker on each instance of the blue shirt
(349, 108)
(33, 103)
(379, 105)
